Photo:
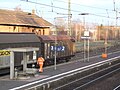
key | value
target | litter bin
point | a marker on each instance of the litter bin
(104, 55)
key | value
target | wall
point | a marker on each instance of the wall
(38, 31)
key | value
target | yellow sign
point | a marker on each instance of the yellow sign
(4, 52)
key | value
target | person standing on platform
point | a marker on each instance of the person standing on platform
(40, 61)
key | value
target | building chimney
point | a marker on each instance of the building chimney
(33, 11)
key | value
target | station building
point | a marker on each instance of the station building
(19, 21)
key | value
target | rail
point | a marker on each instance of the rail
(117, 88)
(96, 79)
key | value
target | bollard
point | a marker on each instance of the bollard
(16, 73)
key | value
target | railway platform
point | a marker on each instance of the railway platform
(17, 84)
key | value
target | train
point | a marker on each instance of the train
(61, 47)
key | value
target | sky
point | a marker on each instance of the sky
(100, 11)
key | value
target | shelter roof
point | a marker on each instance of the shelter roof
(51, 38)
(24, 49)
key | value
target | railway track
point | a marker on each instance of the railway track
(117, 88)
(110, 83)
(83, 82)
(80, 78)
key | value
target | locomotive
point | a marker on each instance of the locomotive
(49, 45)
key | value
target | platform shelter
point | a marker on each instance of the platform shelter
(24, 50)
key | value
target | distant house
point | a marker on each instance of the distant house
(19, 21)
(108, 32)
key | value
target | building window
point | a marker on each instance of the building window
(33, 30)
(39, 32)
(14, 28)
(43, 32)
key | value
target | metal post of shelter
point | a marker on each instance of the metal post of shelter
(11, 65)
(24, 62)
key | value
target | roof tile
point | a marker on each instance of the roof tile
(22, 18)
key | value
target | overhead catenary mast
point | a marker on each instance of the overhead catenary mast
(116, 11)
(69, 18)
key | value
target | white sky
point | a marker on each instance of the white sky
(97, 7)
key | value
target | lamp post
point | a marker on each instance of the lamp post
(55, 46)
(55, 52)
(86, 37)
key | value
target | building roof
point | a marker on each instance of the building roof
(9, 17)
(18, 37)
(51, 38)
